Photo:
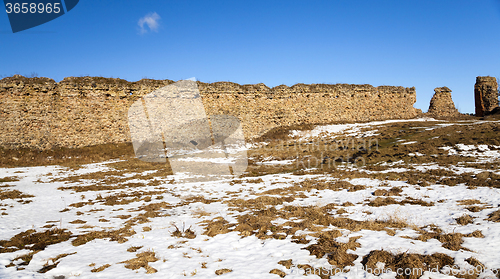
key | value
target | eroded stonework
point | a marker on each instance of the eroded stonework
(81, 111)
(485, 95)
(441, 103)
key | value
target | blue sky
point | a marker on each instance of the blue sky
(425, 44)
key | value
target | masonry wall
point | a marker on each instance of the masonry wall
(40, 113)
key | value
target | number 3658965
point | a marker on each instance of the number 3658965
(33, 8)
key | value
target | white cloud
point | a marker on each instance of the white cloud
(151, 20)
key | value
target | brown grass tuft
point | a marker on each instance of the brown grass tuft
(336, 251)
(13, 194)
(379, 201)
(186, 233)
(55, 261)
(142, 260)
(415, 264)
(9, 179)
(475, 263)
(101, 268)
(35, 241)
(494, 216)
(452, 241)
(286, 263)
(394, 191)
(78, 221)
(278, 272)
(133, 249)
(118, 235)
(465, 220)
(223, 271)
(216, 226)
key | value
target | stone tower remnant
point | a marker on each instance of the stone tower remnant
(442, 104)
(485, 95)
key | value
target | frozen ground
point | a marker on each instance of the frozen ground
(136, 224)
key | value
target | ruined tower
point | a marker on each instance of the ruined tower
(485, 95)
(442, 104)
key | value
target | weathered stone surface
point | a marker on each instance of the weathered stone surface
(441, 103)
(81, 111)
(485, 95)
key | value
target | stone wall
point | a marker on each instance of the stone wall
(80, 111)
(441, 103)
(485, 95)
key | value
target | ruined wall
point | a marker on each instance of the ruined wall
(441, 103)
(485, 95)
(40, 113)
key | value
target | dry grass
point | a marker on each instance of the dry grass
(200, 212)
(475, 263)
(475, 208)
(186, 233)
(25, 260)
(119, 235)
(133, 249)
(258, 203)
(451, 241)
(35, 241)
(278, 272)
(255, 216)
(394, 191)
(494, 216)
(151, 210)
(55, 261)
(474, 205)
(142, 260)
(400, 217)
(286, 263)
(336, 251)
(9, 179)
(465, 220)
(72, 157)
(415, 263)
(312, 218)
(379, 201)
(101, 268)
(469, 202)
(216, 226)
(316, 219)
(78, 221)
(385, 148)
(13, 194)
(223, 271)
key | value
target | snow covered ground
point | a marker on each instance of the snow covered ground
(159, 228)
